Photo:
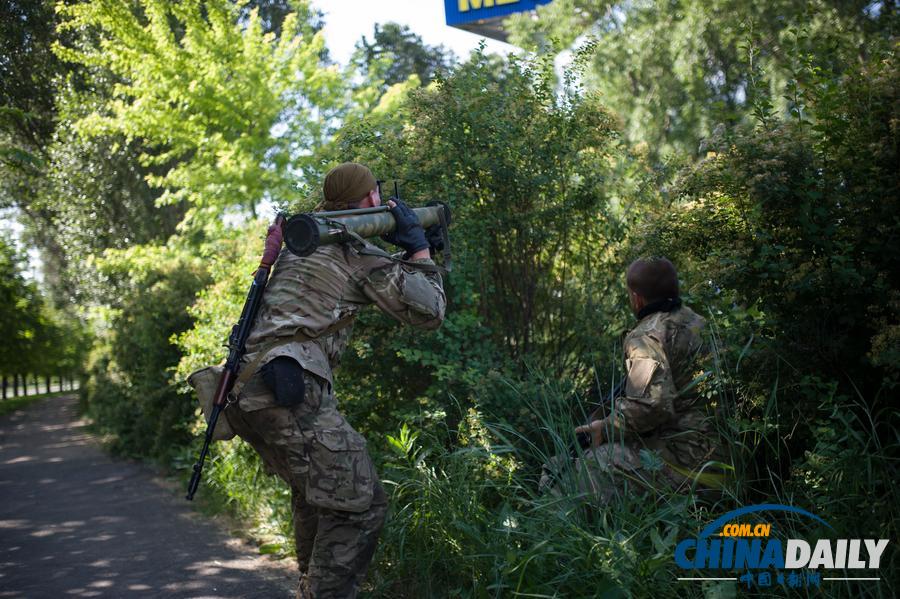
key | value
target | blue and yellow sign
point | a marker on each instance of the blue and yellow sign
(485, 17)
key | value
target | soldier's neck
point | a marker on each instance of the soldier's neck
(666, 305)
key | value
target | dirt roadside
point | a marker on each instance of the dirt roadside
(75, 522)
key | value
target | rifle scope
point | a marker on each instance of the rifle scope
(304, 233)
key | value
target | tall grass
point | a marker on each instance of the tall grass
(468, 520)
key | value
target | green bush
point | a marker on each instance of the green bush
(130, 393)
(468, 520)
(786, 224)
(539, 188)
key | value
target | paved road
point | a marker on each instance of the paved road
(76, 523)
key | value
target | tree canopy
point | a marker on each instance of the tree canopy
(674, 70)
(231, 110)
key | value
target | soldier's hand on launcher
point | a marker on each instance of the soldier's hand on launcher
(596, 429)
(409, 234)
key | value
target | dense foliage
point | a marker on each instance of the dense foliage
(395, 53)
(37, 339)
(755, 144)
(206, 90)
(130, 390)
(673, 70)
(526, 176)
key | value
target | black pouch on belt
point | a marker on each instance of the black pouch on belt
(284, 377)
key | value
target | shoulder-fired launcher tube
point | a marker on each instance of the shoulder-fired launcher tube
(304, 233)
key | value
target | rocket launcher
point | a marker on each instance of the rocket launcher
(305, 233)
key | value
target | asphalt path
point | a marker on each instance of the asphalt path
(75, 522)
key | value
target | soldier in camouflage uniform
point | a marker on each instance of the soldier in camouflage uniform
(287, 409)
(661, 433)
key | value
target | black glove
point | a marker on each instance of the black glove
(435, 237)
(409, 233)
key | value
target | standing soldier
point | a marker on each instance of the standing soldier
(287, 409)
(662, 432)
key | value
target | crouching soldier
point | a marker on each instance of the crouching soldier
(287, 410)
(661, 432)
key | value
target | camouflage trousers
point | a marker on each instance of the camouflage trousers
(613, 470)
(338, 502)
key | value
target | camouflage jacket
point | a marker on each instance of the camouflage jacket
(661, 409)
(319, 296)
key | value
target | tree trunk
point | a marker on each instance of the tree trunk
(47, 381)
(4, 386)
(15, 385)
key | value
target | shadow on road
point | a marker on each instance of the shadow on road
(76, 523)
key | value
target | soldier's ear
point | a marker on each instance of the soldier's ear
(371, 200)
(637, 302)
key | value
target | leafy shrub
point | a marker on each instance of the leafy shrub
(536, 227)
(129, 392)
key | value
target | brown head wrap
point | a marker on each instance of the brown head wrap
(346, 185)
